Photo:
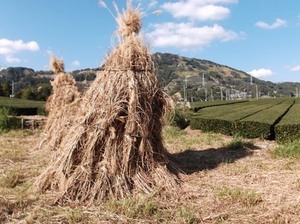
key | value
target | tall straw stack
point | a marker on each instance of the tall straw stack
(59, 106)
(114, 147)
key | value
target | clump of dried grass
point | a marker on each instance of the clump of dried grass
(60, 106)
(114, 146)
(56, 65)
(129, 21)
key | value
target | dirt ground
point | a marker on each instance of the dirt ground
(227, 180)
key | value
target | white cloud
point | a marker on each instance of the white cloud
(8, 48)
(76, 63)
(187, 35)
(12, 59)
(295, 68)
(278, 23)
(199, 10)
(260, 73)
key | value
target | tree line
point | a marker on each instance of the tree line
(38, 92)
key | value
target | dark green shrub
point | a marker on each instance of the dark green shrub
(8, 122)
(180, 119)
(14, 123)
(18, 111)
(4, 119)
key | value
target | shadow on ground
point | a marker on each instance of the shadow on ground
(191, 161)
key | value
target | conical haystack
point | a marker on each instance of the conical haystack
(59, 106)
(114, 147)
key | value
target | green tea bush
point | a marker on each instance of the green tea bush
(261, 124)
(205, 104)
(253, 119)
(288, 129)
(19, 107)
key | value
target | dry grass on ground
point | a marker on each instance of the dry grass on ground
(229, 180)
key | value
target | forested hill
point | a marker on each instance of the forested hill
(174, 72)
(172, 66)
(174, 69)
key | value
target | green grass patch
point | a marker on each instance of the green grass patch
(182, 141)
(172, 132)
(288, 150)
(247, 198)
(187, 215)
(179, 118)
(141, 207)
(138, 208)
(239, 143)
(77, 216)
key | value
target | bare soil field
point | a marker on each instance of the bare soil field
(227, 180)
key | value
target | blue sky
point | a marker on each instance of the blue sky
(261, 37)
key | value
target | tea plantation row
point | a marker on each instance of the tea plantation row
(18, 106)
(266, 118)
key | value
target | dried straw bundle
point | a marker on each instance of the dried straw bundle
(56, 65)
(115, 146)
(129, 21)
(60, 106)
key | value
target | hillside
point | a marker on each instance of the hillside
(202, 76)
(203, 79)
(175, 66)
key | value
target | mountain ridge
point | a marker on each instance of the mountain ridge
(175, 72)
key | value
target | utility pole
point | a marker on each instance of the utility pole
(221, 93)
(203, 79)
(12, 89)
(184, 93)
(256, 88)
(205, 94)
(185, 90)
(211, 95)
